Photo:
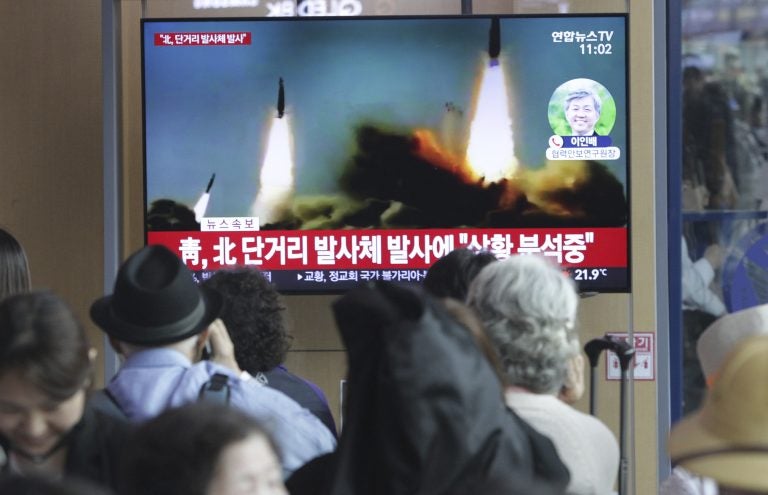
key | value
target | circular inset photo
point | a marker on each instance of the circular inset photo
(581, 107)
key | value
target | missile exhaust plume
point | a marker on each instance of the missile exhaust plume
(276, 179)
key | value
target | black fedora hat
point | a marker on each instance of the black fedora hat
(155, 301)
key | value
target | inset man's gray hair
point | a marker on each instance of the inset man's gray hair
(528, 307)
(582, 93)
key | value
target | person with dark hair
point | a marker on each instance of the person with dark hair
(467, 318)
(160, 321)
(201, 449)
(528, 308)
(450, 275)
(709, 141)
(253, 315)
(45, 372)
(14, 268)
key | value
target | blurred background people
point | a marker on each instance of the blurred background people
(528, 308)
(708, 138)
(202, 449)
(14, 268)
(701, 306)
(726, 439)
(253, 315)
(45, 372)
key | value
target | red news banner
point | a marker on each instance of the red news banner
(388, 249)
(203, 39)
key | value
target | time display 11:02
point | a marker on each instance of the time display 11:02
(596, 48)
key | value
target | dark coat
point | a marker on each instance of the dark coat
(425, 413)
(96, 447)
(306, 393)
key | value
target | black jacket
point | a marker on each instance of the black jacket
(425, 412)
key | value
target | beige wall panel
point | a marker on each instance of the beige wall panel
(51, 192)
(644, 440)
(131, 130)
(310, 321)
(325, 369)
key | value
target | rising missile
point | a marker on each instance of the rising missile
(202, 203)
(494, 40)
(281, 100)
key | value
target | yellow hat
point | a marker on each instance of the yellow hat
(720, 338)
(727, 439)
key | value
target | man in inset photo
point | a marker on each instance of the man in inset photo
(582, 111)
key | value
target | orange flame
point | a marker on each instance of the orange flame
(427, 147)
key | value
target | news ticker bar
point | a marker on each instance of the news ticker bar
(342, 280)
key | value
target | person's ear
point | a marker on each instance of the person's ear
(573, 388)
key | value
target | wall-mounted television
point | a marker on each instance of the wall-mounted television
(331, 151)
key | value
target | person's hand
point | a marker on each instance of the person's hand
(222, 348)
(714, 254)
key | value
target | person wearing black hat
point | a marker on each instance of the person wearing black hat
(160, 320)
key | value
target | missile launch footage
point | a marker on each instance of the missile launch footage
(406, 123)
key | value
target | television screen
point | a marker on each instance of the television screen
(330, 151)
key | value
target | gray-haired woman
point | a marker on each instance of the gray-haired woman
(528, 307)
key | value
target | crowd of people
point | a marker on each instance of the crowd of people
(464, 384)
(724, 168)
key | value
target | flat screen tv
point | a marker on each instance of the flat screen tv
(331, 151)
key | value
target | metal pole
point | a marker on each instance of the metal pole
(623, 463)
(466, 7)
(110, 35)
(593, 349)
(593, 391)
(625, 352)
